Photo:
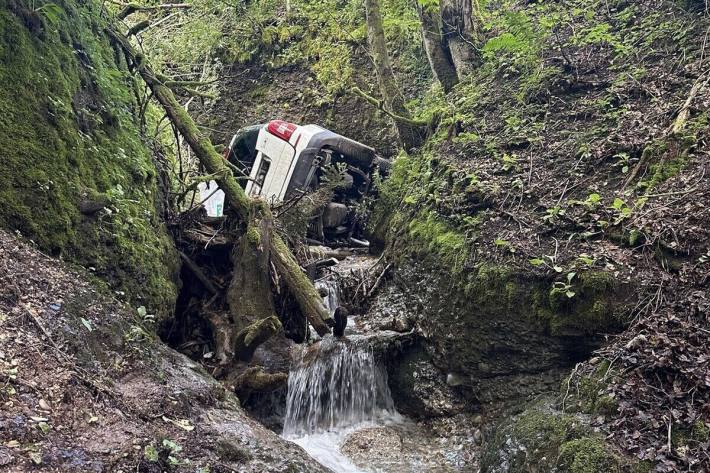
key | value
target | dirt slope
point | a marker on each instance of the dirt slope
(563, 163)
(85, 388)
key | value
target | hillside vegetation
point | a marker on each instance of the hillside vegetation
(544, 229)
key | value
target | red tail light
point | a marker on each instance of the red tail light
(282, 129)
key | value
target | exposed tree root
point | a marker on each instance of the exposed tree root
(255, 379)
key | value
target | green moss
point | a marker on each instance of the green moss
(587, 393)
(671, 156)
(700, 431)
(69, 132)
(532, 440)
(594, 305)
(253, 235)
(434, 235)
(587, 455)
(684, 435)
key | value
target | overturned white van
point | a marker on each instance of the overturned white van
(284, 160)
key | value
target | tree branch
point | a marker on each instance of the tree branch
(306, 295)
(379, 104)
(130, 8)
(137, 28)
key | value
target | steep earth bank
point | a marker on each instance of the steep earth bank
(259, 93)
(552, 210)
(78, 178)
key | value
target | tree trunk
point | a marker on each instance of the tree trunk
(437, 52)
(409, 135)
(461, 33)
(250, 300)
(299, 285)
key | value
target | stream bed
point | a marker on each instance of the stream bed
(340, 410)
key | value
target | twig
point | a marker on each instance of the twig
(381, 106)
(137, 28)
(130, 8)
(209, 285)
(378, 281)
(684, 112)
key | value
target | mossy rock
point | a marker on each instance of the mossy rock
(79, 181)
(542, 439)
(531, 441)
(595, 304)
(587, 455)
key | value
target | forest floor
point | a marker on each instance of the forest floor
(602, 166)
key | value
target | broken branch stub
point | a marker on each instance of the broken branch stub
(249, 338)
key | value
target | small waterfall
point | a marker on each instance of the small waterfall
(330, 290)
(333, 385)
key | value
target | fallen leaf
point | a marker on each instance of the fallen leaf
(184, 424)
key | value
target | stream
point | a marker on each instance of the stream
(340, 410)
(335, 388)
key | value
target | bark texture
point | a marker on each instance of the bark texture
(436, 48)
(461, 33)
(409, 135)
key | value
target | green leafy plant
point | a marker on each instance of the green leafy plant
(586, 260)
(552, 214)
(622, 210)
(51, 12)
(564, 287)
(592, 200)
(510, 162)
(622, 162)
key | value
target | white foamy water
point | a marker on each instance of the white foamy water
(335, 388)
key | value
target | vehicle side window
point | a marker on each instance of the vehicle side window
(261, 175)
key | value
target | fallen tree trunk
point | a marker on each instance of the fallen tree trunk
(306, 295)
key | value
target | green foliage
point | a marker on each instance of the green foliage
(440, 238)
(51, 12)
(600, 34)
(563, 287)
(322, 35)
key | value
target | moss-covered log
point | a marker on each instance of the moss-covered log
(309, 301)
(249, 338)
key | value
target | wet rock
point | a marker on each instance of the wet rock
(341, 321)
(373, 446)
(420, 389)
(133, 392)
(496, 335)
(232, 452)
(438, 446)
(542, 438)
